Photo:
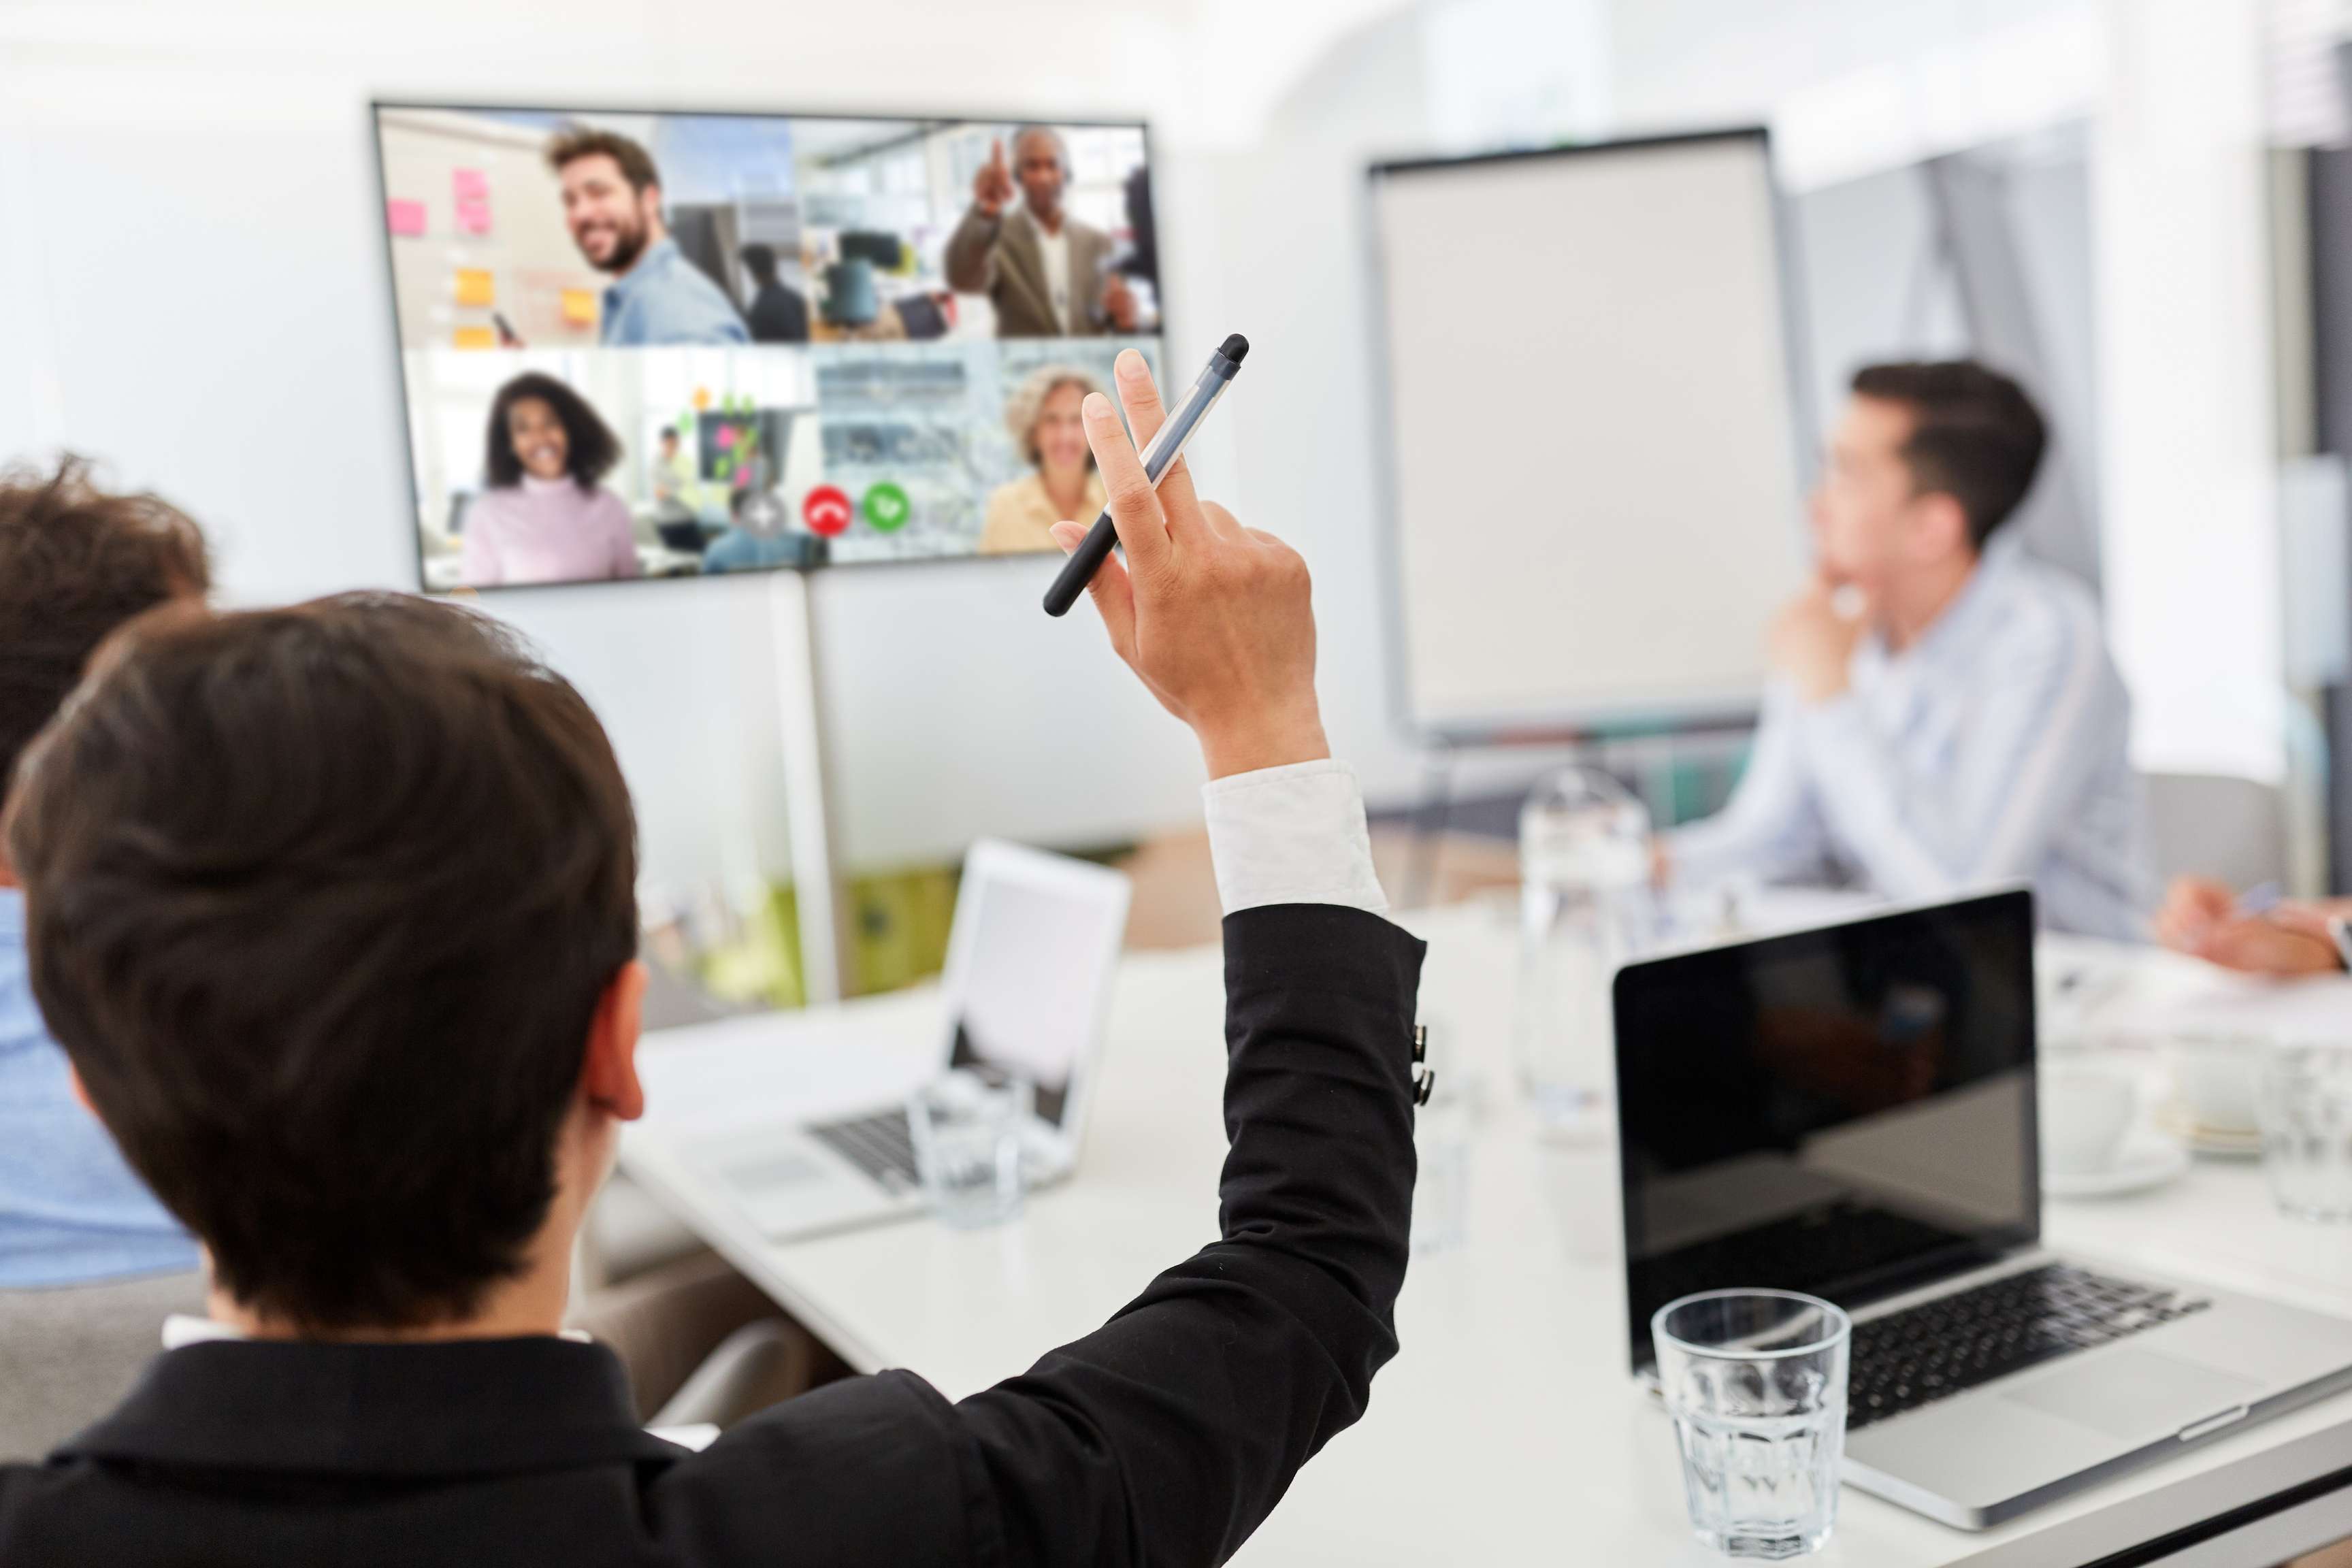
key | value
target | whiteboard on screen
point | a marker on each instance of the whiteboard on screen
(1592, 470)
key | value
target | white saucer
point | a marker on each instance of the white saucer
(2228, 1143)
(2142, 1165)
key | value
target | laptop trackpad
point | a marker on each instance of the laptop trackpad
(2135, 1394)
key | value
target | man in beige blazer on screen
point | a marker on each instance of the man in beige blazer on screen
(1047, 274)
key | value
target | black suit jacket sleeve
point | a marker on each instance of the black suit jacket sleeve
(1166, 1436)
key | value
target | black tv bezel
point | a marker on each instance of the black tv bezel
(375, 109)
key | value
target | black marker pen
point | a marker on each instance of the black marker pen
(1159, 455)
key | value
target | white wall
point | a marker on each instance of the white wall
(2191, 455)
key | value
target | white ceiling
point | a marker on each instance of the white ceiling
(1206, 71)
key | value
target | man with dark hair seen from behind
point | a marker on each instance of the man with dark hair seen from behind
(332, 909)
(1943, 711)
(778, 314)
(612, 206)
(1047, 274)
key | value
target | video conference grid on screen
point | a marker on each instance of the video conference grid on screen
(671, 344)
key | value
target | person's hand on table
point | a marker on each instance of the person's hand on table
(1812, 643)
(2192, 906)
(992, 188)
(1217, 619)
(2199, 917)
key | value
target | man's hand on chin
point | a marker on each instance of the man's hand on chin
(1217, 619)
(1812, 643)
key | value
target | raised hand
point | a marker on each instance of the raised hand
(992, 188)
(1217, 619)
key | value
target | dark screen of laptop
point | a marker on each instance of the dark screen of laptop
(1847, 1112)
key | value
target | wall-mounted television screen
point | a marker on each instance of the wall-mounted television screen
(666, 345)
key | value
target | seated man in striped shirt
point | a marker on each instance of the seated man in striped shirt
(1943, 711)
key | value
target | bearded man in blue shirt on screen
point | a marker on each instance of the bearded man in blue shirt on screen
(612, 206)
(1943, 711)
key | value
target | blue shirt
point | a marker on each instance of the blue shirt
(666, 298)
(738, 550)
(71, 1210)
(1995, 747)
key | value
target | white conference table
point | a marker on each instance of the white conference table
(1507, 1430)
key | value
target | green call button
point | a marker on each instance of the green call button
(887, 508)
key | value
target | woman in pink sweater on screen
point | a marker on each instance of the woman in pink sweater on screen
(542, 516)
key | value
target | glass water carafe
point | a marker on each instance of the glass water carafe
(1585, 906)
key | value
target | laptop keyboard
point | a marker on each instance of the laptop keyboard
(1946, 1346)
(878, 1145)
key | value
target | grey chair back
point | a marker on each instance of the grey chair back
(69, 1355)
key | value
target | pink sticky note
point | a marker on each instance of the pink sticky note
(469, 185)
(474, 216)
(404, 218)
(727, 437)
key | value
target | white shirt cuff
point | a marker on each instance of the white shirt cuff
(1292, 835)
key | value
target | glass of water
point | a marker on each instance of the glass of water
(2303, 1103)
(966, 1128)
(1756, 1382)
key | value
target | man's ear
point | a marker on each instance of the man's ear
(1939, 526)
(73, 1077)
(608, 1075)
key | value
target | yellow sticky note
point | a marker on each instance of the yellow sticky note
(476, 338)
(579, 308)
(475, 287)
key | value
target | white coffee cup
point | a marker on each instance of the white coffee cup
(2085, 1112)
(2214, 1078)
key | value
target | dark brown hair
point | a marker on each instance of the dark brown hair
(590, 446)
(75, 562)
(576, 142)
(1975, 435)
(321, 902)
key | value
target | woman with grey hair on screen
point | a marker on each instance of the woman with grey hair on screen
(1061, 484)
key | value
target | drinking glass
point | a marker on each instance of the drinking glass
(966, 1130)
(2304, 1102)
(1756, 1382)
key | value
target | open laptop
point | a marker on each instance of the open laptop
(1026, 992)
(1849, 1111)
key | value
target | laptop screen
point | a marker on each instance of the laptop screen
(1030, 983)
(1847, 1112)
